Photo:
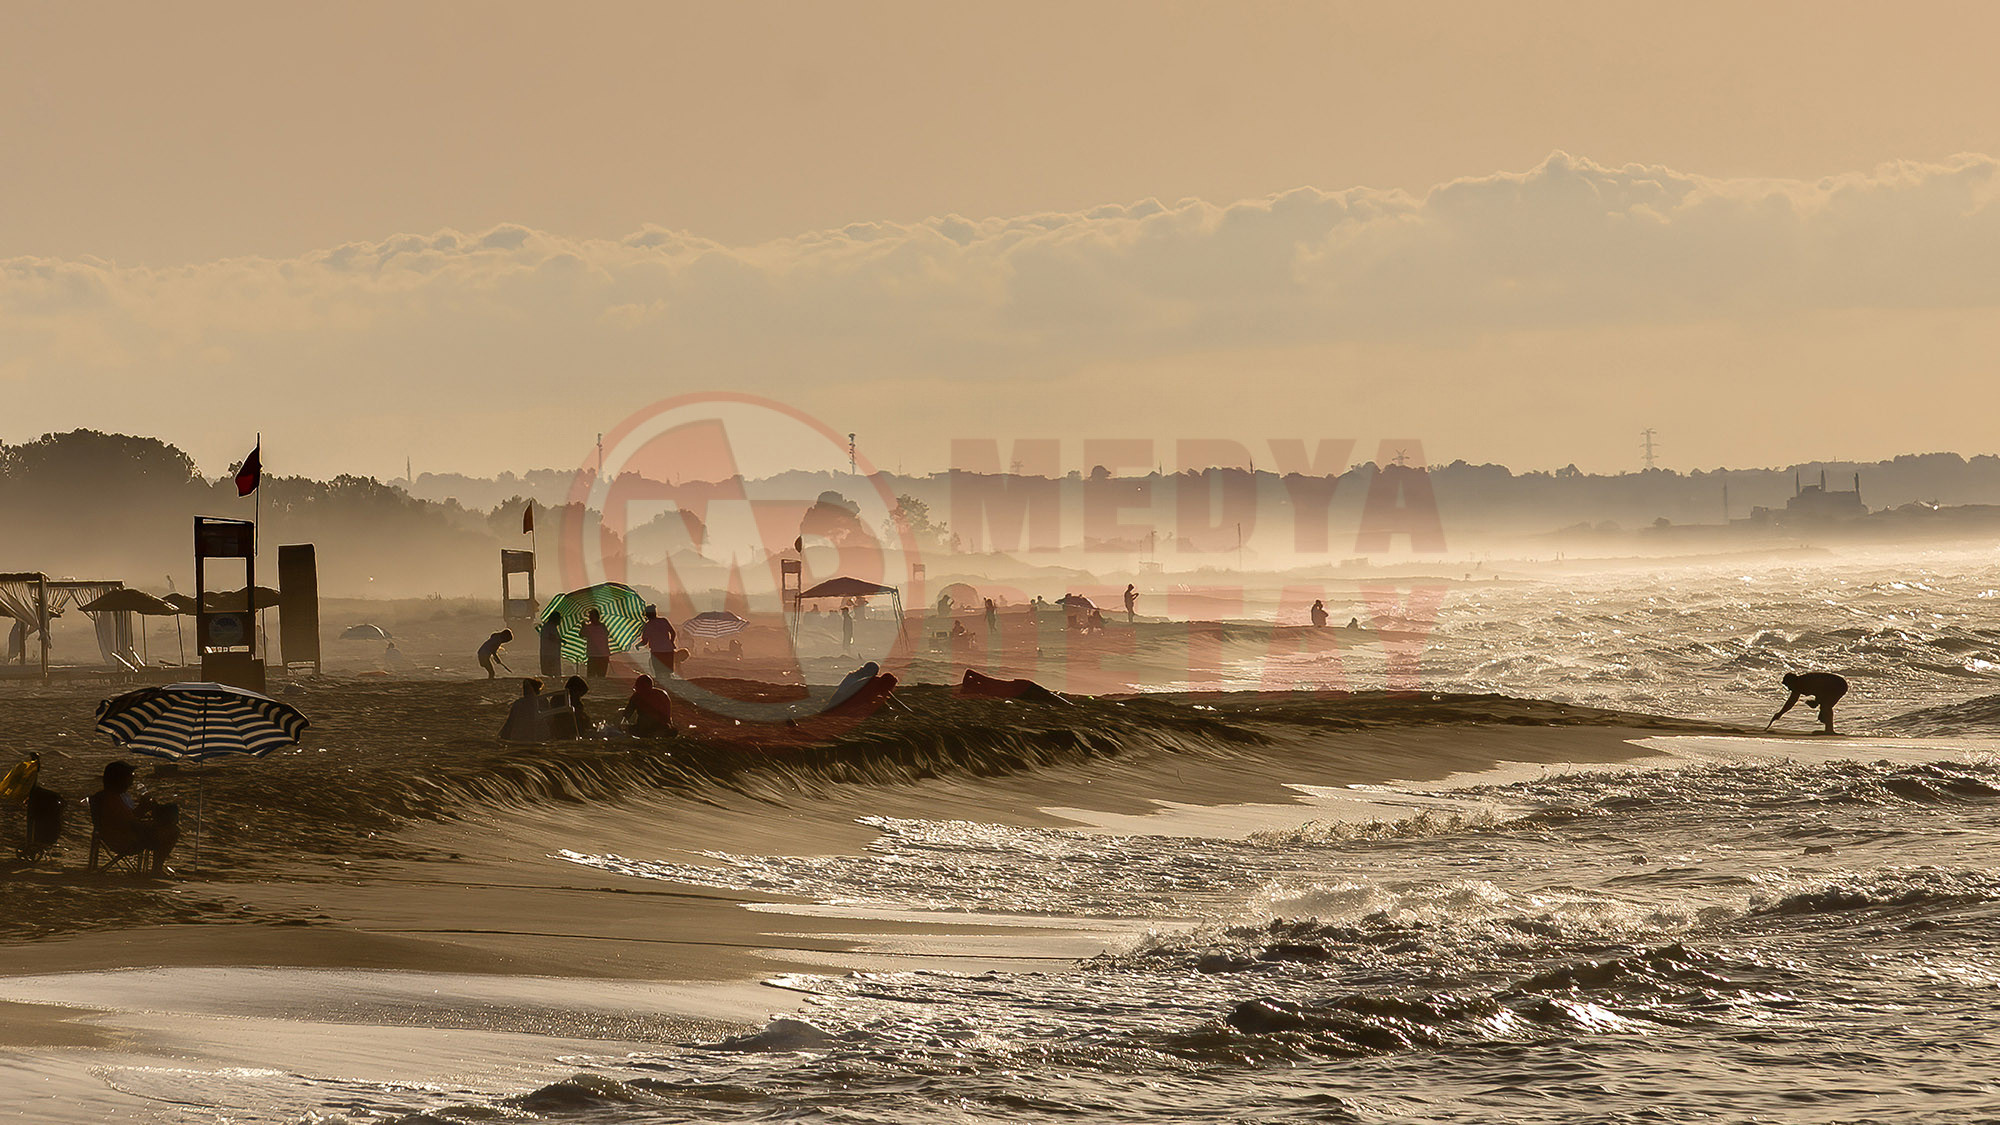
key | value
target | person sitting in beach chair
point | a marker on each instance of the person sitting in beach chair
(126, 824)
(526, 720)
(566, 716)
(649, 713)
(42, 809)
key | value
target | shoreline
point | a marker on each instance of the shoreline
(310, 961)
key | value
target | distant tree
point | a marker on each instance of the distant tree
(833, 517)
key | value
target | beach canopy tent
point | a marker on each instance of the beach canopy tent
(364, 633)
(1076, 601)
(621, 607)
(30, 601)
(848, 588)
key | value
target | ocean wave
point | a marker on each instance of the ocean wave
(1891, 889)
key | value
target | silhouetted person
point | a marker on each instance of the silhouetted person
(992, 617)
(1131, 599)
(571, 721)
(1096, 622)
(658, 633)
(1820, 689)
(649, 713)
(1354, 623)
(944, 605)
(1319, 614)
(129, 822)
(596, 645)
(552, 645)
(524, 720)
(846, 628)
(489, 653)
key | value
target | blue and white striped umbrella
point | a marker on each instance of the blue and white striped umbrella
(196, 722)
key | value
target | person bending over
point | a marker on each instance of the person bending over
(1820, 689)
(489, 653)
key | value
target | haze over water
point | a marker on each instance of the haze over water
(1797, 931)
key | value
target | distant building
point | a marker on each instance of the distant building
(1814, 503)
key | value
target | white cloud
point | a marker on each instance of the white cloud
(421, 322)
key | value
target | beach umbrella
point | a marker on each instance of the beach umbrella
(198, 722)
(714, 623)
(127, 600)
(231, 601)
(364, 633)
(623, 610)
(1076, 601)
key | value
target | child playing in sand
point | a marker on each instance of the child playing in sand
(489, 653)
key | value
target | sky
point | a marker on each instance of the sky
(478, 235)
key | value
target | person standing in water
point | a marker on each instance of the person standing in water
(846, 628)
(1131, 599)
(1820, 689)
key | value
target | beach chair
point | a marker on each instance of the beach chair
(44, 822)
(119, 850)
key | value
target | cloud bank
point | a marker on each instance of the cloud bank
(527, 331)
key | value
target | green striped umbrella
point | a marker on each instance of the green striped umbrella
(623, 610)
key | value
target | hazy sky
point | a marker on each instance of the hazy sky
(479, 234)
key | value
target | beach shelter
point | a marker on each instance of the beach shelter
(714, 623)
(621, 607)
(199, 722)
(364, 633)
(962, 595)
(127, 600)
(848, 588)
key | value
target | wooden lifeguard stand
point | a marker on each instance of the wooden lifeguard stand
(512, 608)
(226, 639)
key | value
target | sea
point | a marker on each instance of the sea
(1800, 930)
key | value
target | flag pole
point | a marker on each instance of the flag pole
(257, 549)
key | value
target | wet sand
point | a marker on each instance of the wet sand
(399, 871)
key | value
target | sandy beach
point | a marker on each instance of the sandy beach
(388, 902)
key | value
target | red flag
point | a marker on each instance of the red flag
(251, 472)
(528, 519)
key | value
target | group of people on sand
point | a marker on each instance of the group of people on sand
(656, 636)
(560, 716)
